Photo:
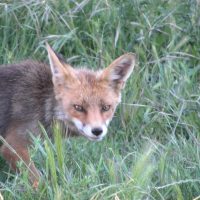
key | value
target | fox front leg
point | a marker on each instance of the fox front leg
(15, 149)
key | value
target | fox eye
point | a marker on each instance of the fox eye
(79, 108)
(105, 108)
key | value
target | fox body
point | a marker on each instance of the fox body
(32, 92)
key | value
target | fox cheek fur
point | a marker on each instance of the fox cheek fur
(95, 94)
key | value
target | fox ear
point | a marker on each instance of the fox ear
(61, 72)
(119, 71)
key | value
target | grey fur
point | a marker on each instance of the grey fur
(26, 94)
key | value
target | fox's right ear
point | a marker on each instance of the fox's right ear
(61, 73)
(119, 71)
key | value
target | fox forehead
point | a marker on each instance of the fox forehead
(90, 89)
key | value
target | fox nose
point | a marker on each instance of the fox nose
(97, 131)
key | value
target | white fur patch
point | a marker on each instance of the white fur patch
(78, 123)
(119, 98)
(107, 122)
(115, 76)
(104, 131)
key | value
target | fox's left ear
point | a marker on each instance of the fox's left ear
(119, 71)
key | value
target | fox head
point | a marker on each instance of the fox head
(87, 100)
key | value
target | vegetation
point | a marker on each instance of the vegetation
(152, 150)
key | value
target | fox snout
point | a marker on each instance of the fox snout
(92, 132)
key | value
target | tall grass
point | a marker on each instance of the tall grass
(152, 149)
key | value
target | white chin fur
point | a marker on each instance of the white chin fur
(87, 130)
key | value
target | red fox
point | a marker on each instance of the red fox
(32, 92)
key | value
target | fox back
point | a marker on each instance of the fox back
(26, 94)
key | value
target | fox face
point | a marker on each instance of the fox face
(87, 100)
